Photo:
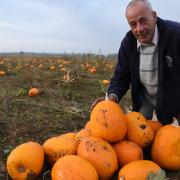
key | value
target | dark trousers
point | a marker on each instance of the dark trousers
(147, 109)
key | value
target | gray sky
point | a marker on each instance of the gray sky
(79, 26)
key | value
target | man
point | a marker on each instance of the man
(149, 63)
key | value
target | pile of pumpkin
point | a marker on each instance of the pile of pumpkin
(112, 142)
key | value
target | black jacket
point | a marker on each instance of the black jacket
(126, 74)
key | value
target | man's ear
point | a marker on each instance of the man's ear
(154, 15)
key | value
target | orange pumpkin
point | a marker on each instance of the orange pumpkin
(63, 69)
(57, 147)
(41, 66)
(33, 92)
(154, 123)
(138, 129)
(73, 167)
(83, 133)
(93, 70)
(166, 147)
(52, 67)
(138, 170)
(100, 154)
(127, 152)
(2, 73)
(87, 125)
(25, 161)
(108, 121)
(105, 82)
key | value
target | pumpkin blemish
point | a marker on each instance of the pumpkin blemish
(143, 126)
(21, 169)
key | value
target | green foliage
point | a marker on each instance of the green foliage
(21, 92)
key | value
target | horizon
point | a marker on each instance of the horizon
(58, 53)
(79, 27)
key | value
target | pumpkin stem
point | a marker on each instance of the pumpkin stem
(175, 122)
(154, 116)
(106, 98)
(121, 178)
(127, 109)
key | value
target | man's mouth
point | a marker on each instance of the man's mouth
(143, 36)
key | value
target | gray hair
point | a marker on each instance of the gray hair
(146, 2)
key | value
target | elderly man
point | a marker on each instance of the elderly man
(149, 63)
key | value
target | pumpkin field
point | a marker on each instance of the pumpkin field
(45, 96)
(67, 87)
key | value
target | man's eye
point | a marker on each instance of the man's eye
(143, 21)
(132, 26)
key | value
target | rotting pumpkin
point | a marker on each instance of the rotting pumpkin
(138, 129)
(25, 161)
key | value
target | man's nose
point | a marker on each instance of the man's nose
(139, 27)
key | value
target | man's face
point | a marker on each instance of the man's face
(142, 22)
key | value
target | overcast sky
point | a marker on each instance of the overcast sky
(79, 26)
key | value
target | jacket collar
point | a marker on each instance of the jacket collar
(164, 32)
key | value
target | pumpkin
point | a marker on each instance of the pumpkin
(59, 146)
(87, 125)
(25, 161)
(105, 82)
(166, 147)
(93, 70)
(138, 129)
(127, 152)
(108, 121)
(63, 69)
(154, 123)
(100, 154)
(41, 66)
(52, 67)
(2, 73)
(83, 133)
(33, 92)
(138, 170)
(73, 167)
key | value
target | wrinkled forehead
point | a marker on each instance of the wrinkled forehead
(138, 9)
